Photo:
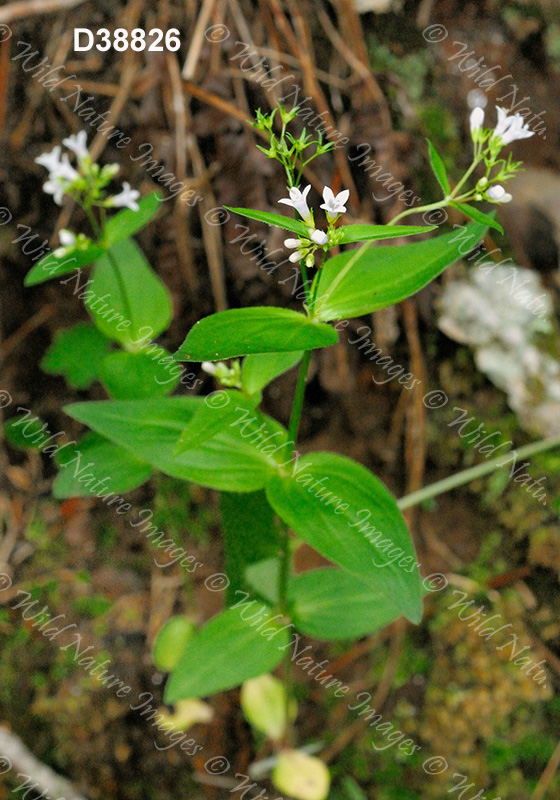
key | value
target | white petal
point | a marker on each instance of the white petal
(296, 256)
(291, 243)
(328, 195)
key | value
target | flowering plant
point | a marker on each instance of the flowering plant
(225, 442)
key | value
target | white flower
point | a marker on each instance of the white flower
(50, 161)
(297, 255)
(66, 237)
(509, 129)
(291, 244)
(334, 205)
(298, 200)
(127, 197)
(477, 118)
(55, 188)
(77, 144)
(498, 194)
(65, 171)
(319, 237)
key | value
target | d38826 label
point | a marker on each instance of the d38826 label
(121, 39)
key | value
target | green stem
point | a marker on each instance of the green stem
(468, 475)
(298, 402)
(122, 288)
(440, 204)
(285, 556)
(444, 202)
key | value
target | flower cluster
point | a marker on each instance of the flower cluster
(86, 184)
(334, 205)
(227, 376)
(488, 143)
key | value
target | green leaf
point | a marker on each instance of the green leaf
(52, 266)
(171, 641)
(279, 220)
(150, 428)
(250, 536)
(94, 459)
(77, 353)
(331, 604)
(26, 435)
(240, 331)
(363, 233)
(347, 515)
(211, 419)
(133, 376)
(226, 652)
(136, 307)
(125, 223)
(439, 168)
(478, 216)
(262, 368)
(364, 280)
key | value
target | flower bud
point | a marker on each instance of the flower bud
(477, 118)
(301, 776)
(263, 701)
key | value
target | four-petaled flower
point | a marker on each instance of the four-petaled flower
(298, 200)
(511, 128)
(61, 173)
(77, 143)
(334, 205)
(127, 197)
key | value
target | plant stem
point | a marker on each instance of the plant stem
(468, 475)
(122, 288)
(440, 204)
(285, 556)
(298, 402)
